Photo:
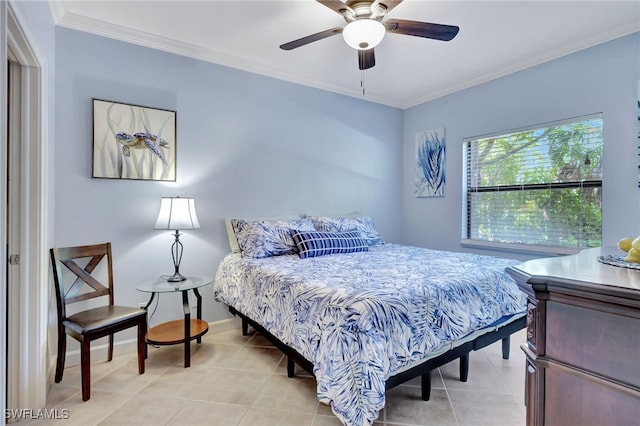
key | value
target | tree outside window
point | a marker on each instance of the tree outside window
(536, 186)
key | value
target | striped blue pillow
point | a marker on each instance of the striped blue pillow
(312, 244)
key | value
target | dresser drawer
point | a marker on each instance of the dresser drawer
(598, 341)
(576, 399)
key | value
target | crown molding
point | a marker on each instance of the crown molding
(141, 38)
(560, 51)
(94, 26)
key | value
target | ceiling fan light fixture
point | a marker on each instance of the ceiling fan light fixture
(363, 34)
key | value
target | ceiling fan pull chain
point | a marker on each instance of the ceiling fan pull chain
(362, 81)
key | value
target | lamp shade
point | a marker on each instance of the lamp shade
(177, 213)
(363, 34)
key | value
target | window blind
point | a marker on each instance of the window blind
(539, 185)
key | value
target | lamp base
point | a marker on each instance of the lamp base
(175, 278)
(176, 255)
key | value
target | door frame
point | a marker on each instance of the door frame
(13, 223)
(30, 319)
(3, 195)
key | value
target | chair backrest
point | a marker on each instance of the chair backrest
(85, 286)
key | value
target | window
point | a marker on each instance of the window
(539, 186)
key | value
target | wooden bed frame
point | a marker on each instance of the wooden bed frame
(424, 369)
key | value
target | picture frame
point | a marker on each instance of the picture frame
(430, 163)
(133, 142)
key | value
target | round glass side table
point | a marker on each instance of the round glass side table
(182, 330)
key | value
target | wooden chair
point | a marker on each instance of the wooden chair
(94, 323)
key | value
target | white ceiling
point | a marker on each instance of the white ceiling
(496, 38)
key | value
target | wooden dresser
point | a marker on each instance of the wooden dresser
(583, 340)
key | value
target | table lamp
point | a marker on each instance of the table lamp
(177, 213)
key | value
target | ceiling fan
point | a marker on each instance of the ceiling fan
(365, 29)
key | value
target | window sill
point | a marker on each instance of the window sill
(535, 249)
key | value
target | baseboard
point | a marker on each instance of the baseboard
(225, 325)
(100, 351)
(130, 346)
(51, 371)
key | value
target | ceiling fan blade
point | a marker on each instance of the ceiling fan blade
(311, 38)
(422, 29)
(366, 59)
(337, 6)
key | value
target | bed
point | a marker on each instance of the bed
(360, 314)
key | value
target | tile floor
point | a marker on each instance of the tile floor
(241, 380)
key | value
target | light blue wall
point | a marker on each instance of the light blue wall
(603, 79)
(247, 146)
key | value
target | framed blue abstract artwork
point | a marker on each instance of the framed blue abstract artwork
(430, 163)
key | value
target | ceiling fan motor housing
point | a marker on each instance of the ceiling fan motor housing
(358, 9)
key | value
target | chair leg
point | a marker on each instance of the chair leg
(85, 368)
(62, 351)
(110, 353)
(142, 345)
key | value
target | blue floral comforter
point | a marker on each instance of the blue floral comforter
(362, 317)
